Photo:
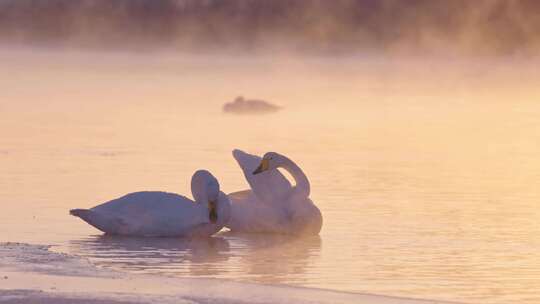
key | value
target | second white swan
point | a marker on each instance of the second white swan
(273, 205)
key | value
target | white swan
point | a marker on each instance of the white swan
(273, 205)
(163, 214)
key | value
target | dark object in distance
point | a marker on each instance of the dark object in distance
(249, 106)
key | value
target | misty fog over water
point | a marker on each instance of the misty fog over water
(488, 27)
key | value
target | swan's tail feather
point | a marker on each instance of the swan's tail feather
(107, 224)
(82, 213)
(86, 215)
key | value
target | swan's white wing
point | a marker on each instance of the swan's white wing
(248, 214)
(152, 213)
(270, 186)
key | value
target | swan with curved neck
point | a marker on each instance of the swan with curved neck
(273, 204)
(273, 161)
(155, 213)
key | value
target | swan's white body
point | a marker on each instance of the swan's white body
(153, 213)
(273, 205)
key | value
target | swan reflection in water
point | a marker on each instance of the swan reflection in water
(154, 255)
(264, 258)
(275, 258)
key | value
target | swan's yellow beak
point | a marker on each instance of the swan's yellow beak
(212, 211)
(262, 167)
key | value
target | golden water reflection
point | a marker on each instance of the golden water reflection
(426, 171)
(262, 258)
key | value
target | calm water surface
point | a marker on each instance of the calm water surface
(429, 187)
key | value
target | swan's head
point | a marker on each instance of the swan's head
(205, 190)
(270, 160)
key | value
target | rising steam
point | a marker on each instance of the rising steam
(459, 26)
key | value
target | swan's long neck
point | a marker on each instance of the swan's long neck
(201, 184)
(199, 192)
(302, 183)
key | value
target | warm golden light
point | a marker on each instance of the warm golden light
(422, 147)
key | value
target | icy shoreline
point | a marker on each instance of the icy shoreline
(34, 274)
